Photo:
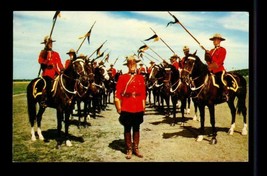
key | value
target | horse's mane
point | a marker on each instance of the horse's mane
(201, 68)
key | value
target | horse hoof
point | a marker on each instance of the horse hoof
(231, 132)
(200, 138)
(244, 132)
(68, 143)
(33, 138)
(213, 141)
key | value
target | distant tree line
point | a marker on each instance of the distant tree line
(243, 72)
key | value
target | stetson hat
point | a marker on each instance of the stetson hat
(101, 63)
(82, 56)
(174, 56)
(47, 39)
(185, 48)
(131, 59)
(217, 36)
(71, 51)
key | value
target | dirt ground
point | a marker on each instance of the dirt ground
(103, 141)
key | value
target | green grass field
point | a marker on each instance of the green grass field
(19, 87)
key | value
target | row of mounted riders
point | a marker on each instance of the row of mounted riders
(81, 82)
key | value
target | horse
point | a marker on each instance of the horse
(112, 84)
(98, 95)
(153, 86)
(206, 92)
(61, 98)
(83, 94)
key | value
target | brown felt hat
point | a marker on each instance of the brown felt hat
(47, 39)
(174, 56)
(130, 59)
(217, 36)
(71, 51)
(185, 48)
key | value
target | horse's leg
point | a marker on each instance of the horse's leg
(59, 126)
(167, 99)
(188, 105)
(86, 112)
(244, 129)
(183, 107)
(202, 122)
(195, 117)
(174, 102)
(241, 108)
(32, 117)
(212, 122)
(67, 116)
(39, 119)
(79, 112)
(233, 115)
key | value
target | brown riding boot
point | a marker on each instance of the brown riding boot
(136, 138)
(128, 144)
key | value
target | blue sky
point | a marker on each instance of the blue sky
(124, 32)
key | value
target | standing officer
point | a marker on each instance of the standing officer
(130, 98)
(51, 67)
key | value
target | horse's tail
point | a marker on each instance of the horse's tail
(241, 103)
(31, 104)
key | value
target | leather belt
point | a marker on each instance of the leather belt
(133, 94)
(49, 67)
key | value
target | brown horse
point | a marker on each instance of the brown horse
(206, 92)
(61, 97)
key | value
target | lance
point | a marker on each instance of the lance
(51, 32)
(104, 58)
(116, 60)
(152, 56)
(177, 21)
(101, 54)
(85, 36)
(97, 49)
(163, 41)
(154, 52)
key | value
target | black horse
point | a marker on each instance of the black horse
(154, 83)
(84, 89)
(61, 98)
(206, 92)
(112, 84)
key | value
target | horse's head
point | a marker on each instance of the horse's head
(81, 70)
(101, 74)
(194, 67)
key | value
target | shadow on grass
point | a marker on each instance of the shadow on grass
(118, 145)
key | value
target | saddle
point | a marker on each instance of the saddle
(40, 84)
(229, 80)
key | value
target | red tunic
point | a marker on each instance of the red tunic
(113, 72)
(53, 63)
(67, 63)
(141, 70)
(176, 64)
(135, 92)
(218, 56)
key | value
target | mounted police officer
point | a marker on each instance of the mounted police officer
(51, 66)
(215, 60)
(130, 99)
